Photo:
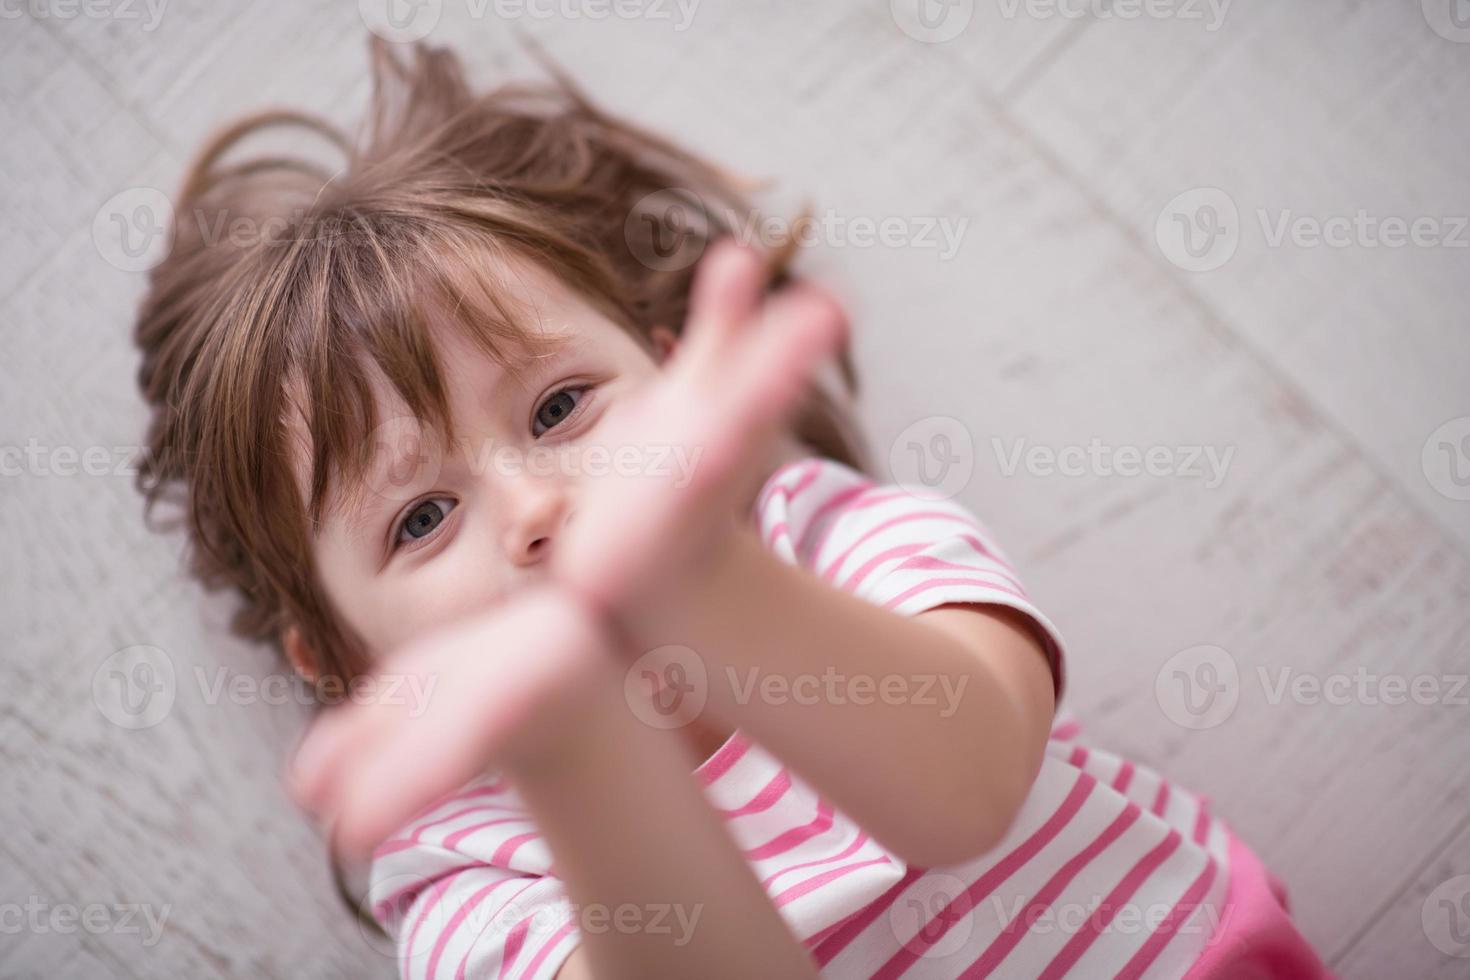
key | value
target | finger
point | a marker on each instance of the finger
(768, 375)
(725, 294)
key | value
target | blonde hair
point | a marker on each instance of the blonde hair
(237, 335)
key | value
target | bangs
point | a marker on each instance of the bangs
(373, 292)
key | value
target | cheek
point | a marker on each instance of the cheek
(406, 603)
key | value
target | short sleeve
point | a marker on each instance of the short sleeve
(467, 889)
(901, 551)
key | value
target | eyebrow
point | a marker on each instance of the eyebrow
(359, 506)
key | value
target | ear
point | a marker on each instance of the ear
(665, 342)
(302, 659)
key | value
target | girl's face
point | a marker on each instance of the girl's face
(440, 531)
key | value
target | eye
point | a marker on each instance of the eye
(557, 408)
(421, 522)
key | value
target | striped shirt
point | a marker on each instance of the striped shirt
(1108, 870)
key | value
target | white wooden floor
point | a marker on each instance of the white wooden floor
(1330, 549)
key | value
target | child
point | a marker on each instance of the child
(454, 415)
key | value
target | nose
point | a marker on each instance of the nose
(537, 511)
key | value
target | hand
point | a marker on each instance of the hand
(503, 688)
(739, 370)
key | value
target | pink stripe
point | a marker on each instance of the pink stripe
(447, 933)
(1017, 927)
(781, 529)
(515, 938)
(503, 853)
(1124, 777)
(796, 836)
(1065, 731)
(453, 840)
(724, 758)
(870, 533)
(814, 542)
(930, 563)
(465, 960)
(418, 835)
(846, 852)
(1161, 799)
(1078, 757)
(382, 906)
(763, 800)
(1165, 932)
(551, 943)
(429, 904)
(390, 847)
(826, 877)
(1101, 919)
(1202, 823)
(866, 568)
(997, 874)
(935, 583)
(813, 470)
(855, 924)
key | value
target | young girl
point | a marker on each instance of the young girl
(461, 414)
